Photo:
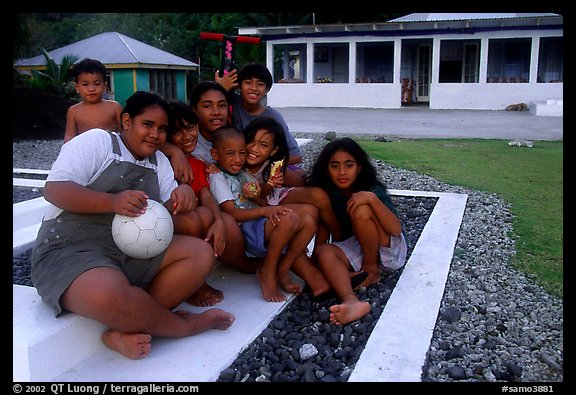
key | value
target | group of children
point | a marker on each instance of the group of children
(227, 170)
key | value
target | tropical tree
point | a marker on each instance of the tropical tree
(56, 78)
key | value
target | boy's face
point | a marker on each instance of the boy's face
(253, 90)
(212, 111)
(230, 155)
(146, 132)
(90, 87)
(185, 136)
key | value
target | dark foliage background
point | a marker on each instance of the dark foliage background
(42, 115)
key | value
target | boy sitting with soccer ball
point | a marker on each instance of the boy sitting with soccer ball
(76, 265)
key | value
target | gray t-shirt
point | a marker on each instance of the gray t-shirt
(241, 119)
(202, 150)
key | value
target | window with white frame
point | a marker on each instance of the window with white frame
(331, 62)
(551, 60)
(290, 63)
(375, 62)
(459, 61)
(509, 60)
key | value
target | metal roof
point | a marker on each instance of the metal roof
(417, 22)
(114, 50)
(455, 16)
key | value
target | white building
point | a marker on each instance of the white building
(483, 61)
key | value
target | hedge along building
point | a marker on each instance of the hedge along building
(452, 61)
(132, 65)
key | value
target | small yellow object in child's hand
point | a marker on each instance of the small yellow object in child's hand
(251, 189)
(276, 168)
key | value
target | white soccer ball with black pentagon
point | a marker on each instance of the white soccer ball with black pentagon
(145, 236)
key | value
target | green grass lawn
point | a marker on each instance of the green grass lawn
(529, 179)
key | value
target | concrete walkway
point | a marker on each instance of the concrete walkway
(421, 122)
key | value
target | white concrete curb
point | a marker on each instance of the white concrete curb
(396, 349)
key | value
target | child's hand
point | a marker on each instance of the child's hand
(359, 198)
(183, 199)
(251, 190)
(228, 81)
(275, 212)
(130, 203)
(276, 181)
(182, 169)
(217, 233)
(211, 168)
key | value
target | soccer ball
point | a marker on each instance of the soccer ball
(145, 236)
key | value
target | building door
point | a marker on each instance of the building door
(423, 66)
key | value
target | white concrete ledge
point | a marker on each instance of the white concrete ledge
(28, 212)
(548, 108)
(302, 142)
(27, 182)
(43, 346)
(26, 219)
(23, 239)
(30, 171)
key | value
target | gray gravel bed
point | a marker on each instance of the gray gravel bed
(495, 323)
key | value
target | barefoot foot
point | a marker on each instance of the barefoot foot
(269, 287)
(210, 319)
(206, 296)
(288, 286)
(344, 313)
(131, 345)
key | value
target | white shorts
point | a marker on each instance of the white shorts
(391, 258)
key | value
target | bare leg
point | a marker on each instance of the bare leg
(277, 237)
(196, 223)
(318, 198)
(369, 235)
(322, 236)
(105, 295)
(193, 223)
(294, 178)
(234, 254)
(335, 266)
(307, 271)
(308, 216)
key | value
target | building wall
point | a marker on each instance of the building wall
(479, 95)
(181, 86)
(490, 96)
(335, 95)
(128, 81)
(123, 84)
(141, 79)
